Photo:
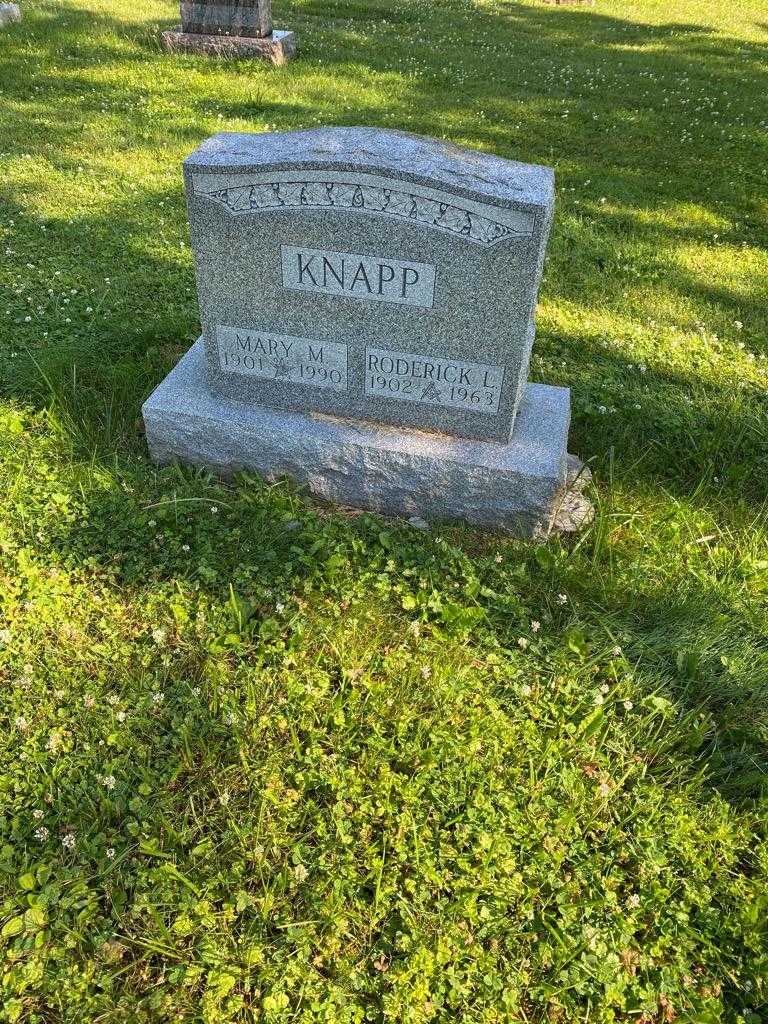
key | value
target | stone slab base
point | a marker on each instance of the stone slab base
(9, 13)
(278, 47)
(517, 487)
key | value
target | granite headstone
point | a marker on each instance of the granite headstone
(9, 13)
(412, 266)
(230, 28)
(367, 302)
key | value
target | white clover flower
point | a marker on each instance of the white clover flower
(498, 558)
(224, 798)
(279, 607)
(195, 691)
(121, 716)
(159, 635)
(214, 509)
(54, 741)
(111, 853)
(89, 701)
(535, 626)
(108, 781)
(37, 814)
(628, 705)
(42, 833)
(300, 873)
(604, 688)
(21, 723)
(616, 651)
(426, 671)
(599, 699)
(562, 598)
(185, 547)
(522, 642)
(634, 900)
(113, 699)
(69, 841)
(157, 698)
(526, 690)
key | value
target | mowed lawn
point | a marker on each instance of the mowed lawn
(267, 761)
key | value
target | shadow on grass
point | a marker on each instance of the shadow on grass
(496, 80)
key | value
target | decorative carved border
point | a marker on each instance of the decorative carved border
(323, 195)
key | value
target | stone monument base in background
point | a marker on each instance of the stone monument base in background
(519, 487)
(9, 13)
(278, 47)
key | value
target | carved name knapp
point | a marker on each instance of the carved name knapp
(359, 277)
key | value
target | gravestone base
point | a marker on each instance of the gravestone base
(278, 47)
(9, 13)
(517, 487)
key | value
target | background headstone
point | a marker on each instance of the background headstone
(230, 28)
(9, 13)
(227, 17)
(367, 301)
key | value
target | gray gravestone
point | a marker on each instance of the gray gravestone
(227, 17)
(367, 302)
(9, 13)
(413, 264)
(230, 28)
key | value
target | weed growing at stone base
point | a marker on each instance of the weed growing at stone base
(264, 761)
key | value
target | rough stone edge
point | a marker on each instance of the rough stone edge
(573, 509)
(9, 13)
(278, 48)
(516, 488)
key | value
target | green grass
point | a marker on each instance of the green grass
(269, 762)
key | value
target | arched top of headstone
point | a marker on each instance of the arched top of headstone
(411, 158)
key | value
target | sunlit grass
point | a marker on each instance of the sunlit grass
(271, 762)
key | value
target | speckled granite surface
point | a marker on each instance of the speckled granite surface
(513, 487)
(412, 262)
